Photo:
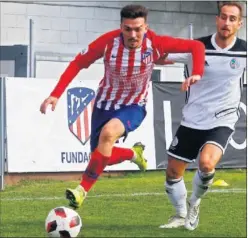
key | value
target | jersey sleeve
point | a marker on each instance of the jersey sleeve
(83, 60)
(169, 45)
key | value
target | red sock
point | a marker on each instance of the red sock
(119, 155)
(95, 167)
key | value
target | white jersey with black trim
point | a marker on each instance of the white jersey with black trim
(214, 100)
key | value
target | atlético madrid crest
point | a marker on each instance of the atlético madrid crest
(147, 57)
(80, 102)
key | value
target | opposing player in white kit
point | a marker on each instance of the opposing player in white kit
(209, 115)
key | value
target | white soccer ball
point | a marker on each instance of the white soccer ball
(63, 222)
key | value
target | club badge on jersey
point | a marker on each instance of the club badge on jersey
(147, 56)
(234, 63)
(80, 102)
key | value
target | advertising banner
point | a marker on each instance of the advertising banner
(59, 141)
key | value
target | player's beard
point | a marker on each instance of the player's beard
(135, 44)
(132, 47)
(226, 37)
(223, 33)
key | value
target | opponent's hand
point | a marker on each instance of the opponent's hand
(189, 81)
(163, 61)
(50, 100)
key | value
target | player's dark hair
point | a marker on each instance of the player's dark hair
(134, 11)
(235, 4)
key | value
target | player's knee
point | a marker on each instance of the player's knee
(172, 173)
(206, 168)
(207, 164)
(175, 169)
(107, 135)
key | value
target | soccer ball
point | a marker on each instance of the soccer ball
(63, 222)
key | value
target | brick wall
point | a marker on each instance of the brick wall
(69, 27)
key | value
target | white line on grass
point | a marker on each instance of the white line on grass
(231, 190)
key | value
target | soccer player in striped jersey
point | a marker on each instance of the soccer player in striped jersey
(129, 54)
(209, 115)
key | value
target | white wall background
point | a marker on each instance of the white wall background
(67, 27)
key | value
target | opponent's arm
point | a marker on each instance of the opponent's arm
(173, 58)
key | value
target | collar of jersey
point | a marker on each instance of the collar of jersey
(220, 49)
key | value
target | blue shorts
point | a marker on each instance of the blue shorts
(131, 117)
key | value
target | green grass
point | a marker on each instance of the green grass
(222, 214)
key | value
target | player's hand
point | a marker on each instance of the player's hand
(189, 81)
(163, 61)
(50, 100)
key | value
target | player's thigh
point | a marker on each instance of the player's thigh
(99, 118)
(123, 121)
(131, 117)
(112, 130)
(216, 142)
(182, 151)
(117, 122)
(186, 144)
(209, 157)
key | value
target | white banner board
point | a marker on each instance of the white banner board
(44, 143)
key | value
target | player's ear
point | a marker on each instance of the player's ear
(240, 23)
(146, 27)
(216, 19)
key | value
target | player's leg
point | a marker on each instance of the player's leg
(107, 127)
(183, 150)
(216, 141)
(120, 154)
(176, 192)
(123, 121)
(131, 117)
(105, 130)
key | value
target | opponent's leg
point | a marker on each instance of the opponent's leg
(183, 150)
(215, 142)
(176, 191)
(203, 179)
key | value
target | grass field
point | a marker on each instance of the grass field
(133, 205)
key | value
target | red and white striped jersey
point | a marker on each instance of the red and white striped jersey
(128, 71)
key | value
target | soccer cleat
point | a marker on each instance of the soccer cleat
(174, 222)
(75, 196)
(139, 148)
(192, 218)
